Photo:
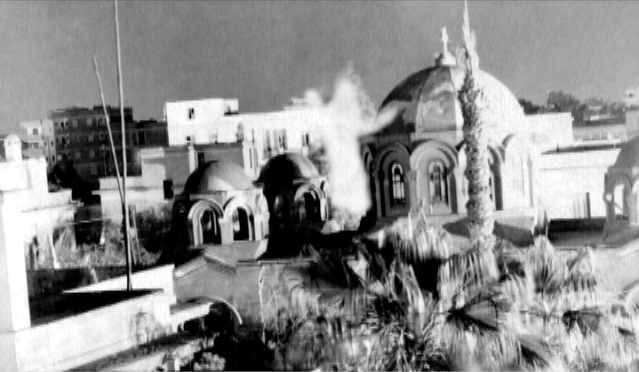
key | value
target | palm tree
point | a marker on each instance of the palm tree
(479, 206)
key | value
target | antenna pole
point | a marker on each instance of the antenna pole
(125, 204)
(108, 125)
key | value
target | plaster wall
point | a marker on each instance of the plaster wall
(185, 117)
(142, 198)
(550, 131)
(76, 340)
(567, 180)
(262, 129)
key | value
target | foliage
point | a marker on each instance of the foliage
(65, 176)
(154, 229)
(430, 306)
(559, 101)
(530, 108)
(110, 250)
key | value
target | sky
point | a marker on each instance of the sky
(263, 53)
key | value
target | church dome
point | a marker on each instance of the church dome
(428, 102)
(215, 176)
(287, 169)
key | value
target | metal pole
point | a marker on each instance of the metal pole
(125, 204)
(108, 125)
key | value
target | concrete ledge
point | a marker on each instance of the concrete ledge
(78, 339)
(160, 277)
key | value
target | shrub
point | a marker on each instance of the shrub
(486, 309)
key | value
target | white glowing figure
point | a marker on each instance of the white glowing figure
(342, 121)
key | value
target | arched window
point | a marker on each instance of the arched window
(311, 207)
(240, 220)
(438, 183)
(397, 184)
(210, 227)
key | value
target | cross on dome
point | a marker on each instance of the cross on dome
(445, 58)
(444, 34)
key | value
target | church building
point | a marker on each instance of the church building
(419, 158)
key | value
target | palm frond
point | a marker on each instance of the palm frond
(547, 270)
(535, 352)
(486, 309)
(518, 289)
(473, 267)
(583, 261)
(478, 350)
(430, 243)
(586, 320)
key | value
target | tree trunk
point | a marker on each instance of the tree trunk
(480, 205)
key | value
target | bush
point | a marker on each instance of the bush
(154, 229)
(483, 309)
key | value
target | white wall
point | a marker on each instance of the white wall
(565, 179)
(213, 126)
(551, 130)
(187, 118)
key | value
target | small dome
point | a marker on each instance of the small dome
(287, 168)
(628, 155)
(215, 176)
(428, 102)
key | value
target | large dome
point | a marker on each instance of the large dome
(428, 102)
(216, 176)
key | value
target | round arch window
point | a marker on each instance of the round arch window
(398, 196)
(241, 224)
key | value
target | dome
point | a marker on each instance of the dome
(628, 155)
(215, 176)
(287, 168)
(428, 102)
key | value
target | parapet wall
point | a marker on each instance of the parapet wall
(75, 340)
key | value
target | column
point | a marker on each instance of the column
(14, 295)
(226, 230)
(413, 198)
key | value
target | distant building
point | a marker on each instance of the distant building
(191, 121)
(39, 140)
(607, 130)
(217, 120)
(631, 97)
(81, 137)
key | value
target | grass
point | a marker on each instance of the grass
(104, 243)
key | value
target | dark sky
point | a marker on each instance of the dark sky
(265, 52)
